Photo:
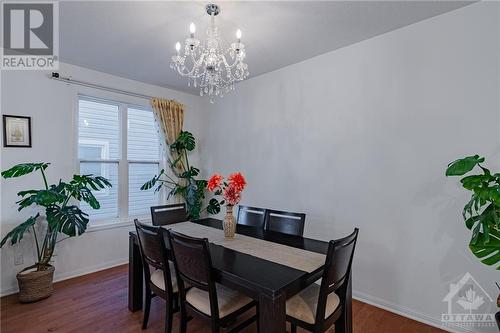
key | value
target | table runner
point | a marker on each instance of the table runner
(282, 254)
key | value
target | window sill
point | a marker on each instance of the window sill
(116, 223)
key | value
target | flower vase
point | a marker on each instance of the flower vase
(229, 223)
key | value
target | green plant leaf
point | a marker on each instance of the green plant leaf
(86, 195)
(43, 198)
(152, 182)
(95, 183)
(213, 206)
(475, 181)
(185, 141)
(192, 172)
(69, 220)
(470, 222)
(487, 247)
(17, 233)
(463, 165)
(23, 169)
(202, 183)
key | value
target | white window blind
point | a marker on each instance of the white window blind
(119, 142)
(143, 155)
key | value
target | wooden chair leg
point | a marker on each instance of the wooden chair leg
(215, 326)
(147, 307)
(175, 303)
(257, 321)
(169, 316)
(184, 320)
(341, 324)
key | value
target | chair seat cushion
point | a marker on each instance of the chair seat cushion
(229, 300)
(157, 278)
(303, 305)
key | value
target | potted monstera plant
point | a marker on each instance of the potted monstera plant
(186, 182)
(482, 212)
(62, 216)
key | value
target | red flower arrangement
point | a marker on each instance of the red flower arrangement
(214, 182)
(237, 181)
(230, 190)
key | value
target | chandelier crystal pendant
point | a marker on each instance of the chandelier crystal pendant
(208, 65)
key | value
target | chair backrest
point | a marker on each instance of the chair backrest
(285, 222)
(192, 259)
(337, 270)
(193, 265)
(168, 214)
(251, 216)
(153, 250)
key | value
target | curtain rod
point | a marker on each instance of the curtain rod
(56, 76)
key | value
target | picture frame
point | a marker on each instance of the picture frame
(16, 131)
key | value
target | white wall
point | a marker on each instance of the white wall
(361, 136)
(52, 108)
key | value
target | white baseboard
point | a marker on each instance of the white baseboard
(72, 274)
(408, 313)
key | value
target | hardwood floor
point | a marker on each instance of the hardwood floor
(98, 303)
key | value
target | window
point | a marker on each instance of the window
(120, 142)
(143, 154)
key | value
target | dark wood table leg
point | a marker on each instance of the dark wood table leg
(272, 314)
(135, 275)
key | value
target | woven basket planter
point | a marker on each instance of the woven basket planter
(35, 285)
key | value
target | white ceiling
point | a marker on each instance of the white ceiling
(135, 39)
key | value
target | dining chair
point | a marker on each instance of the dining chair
(251, 216)
(285, 222)
(206, 299)
(168, 214)
(158, 272)
(317, 308)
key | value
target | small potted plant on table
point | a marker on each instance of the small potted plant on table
(61, 216)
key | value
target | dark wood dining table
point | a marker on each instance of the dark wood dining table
(267, 282)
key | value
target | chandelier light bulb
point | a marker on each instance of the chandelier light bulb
(177, 47)
(238, 34)
(192, 28)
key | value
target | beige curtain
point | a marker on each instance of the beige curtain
(170, 116)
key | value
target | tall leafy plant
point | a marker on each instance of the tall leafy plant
(187, 184)
(62, 215)
(482, 212)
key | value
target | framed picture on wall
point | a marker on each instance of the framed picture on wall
(16, 131)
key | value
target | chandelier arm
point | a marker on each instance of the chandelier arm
(196, 64)
(236, 61)
(184, 73)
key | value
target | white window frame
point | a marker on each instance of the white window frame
(122, 161)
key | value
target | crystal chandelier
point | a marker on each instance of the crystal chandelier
(209, 66)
